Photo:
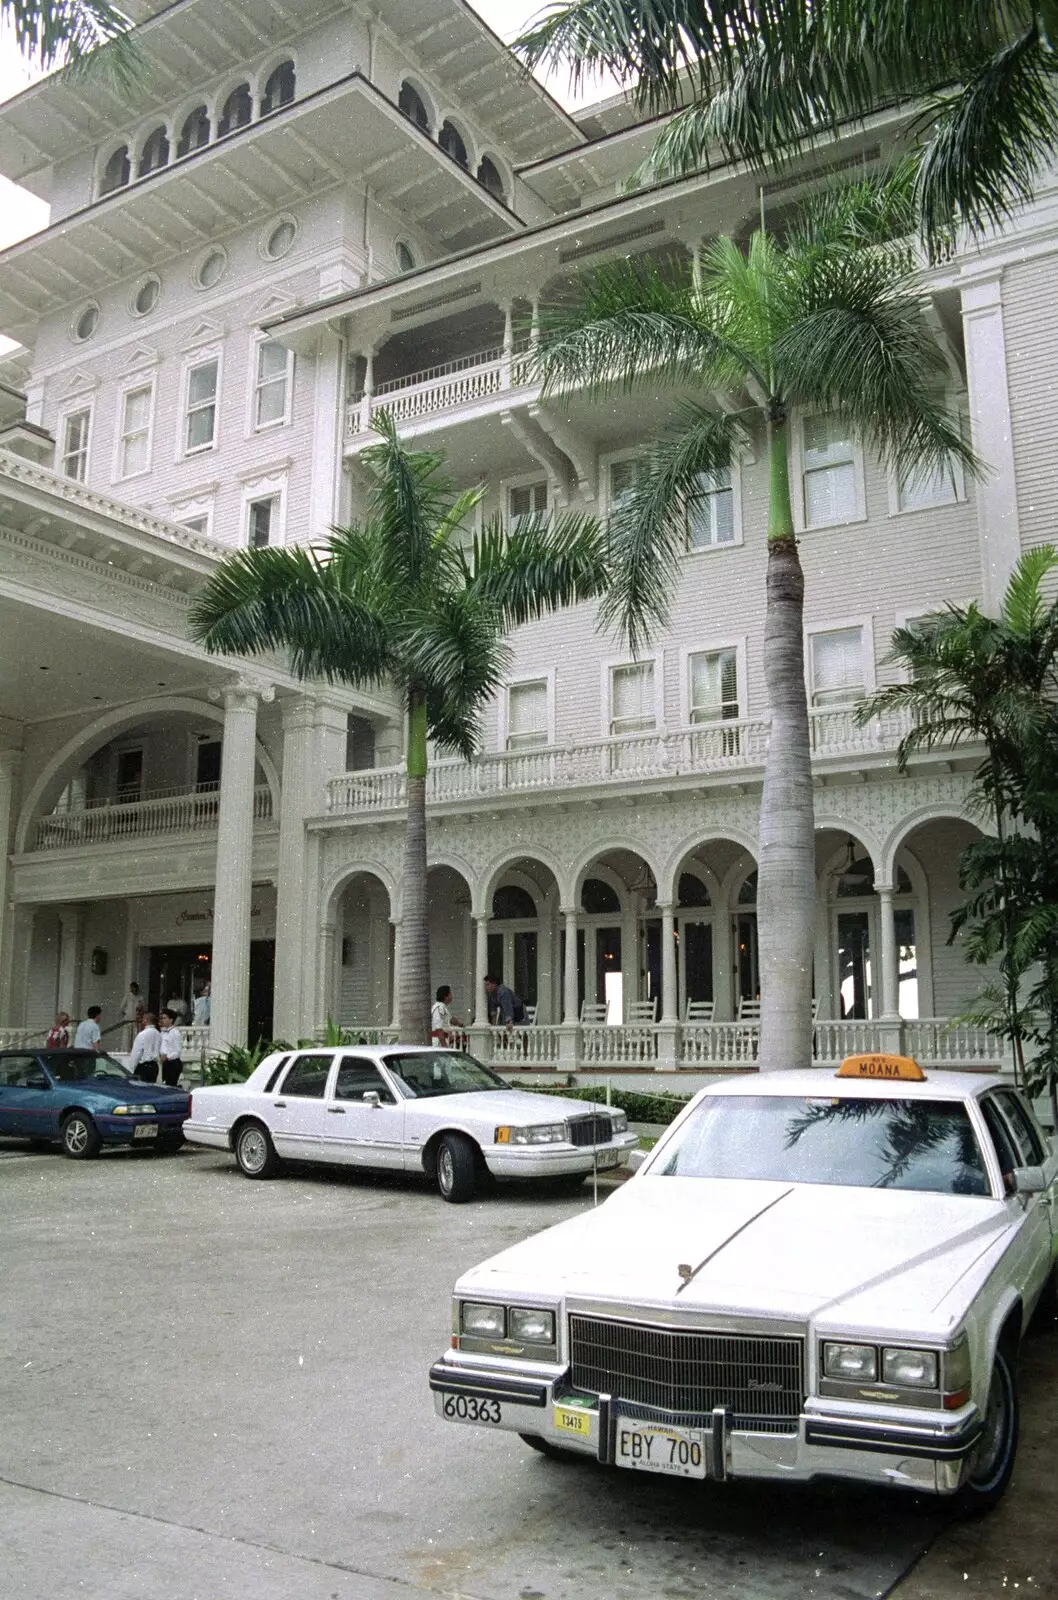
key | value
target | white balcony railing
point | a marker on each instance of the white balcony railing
(455, 384)
(709, 748)
(153, 817)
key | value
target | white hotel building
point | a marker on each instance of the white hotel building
(314, 208)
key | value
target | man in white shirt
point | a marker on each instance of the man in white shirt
(203, 1005)
(132, 1008)
(169, 1050)
(146, 1048)
(442, 1020)
(88, 1036)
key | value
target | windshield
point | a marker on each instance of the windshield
(883, 1144)
(74, 1069)
(433, 1072)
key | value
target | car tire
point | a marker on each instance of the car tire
(456, 1175)
(992, 1462)
(568, 1183)
(255, 1152)
(554, 1452)
(169, 1143)
(80, 1137)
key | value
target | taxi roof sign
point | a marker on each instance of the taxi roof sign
(874, 1065)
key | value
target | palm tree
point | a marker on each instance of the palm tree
(761, 79)
(53, 32)
(406, 598)
(825, 319)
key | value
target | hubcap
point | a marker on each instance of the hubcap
(76, 1136)
(252, 1150)
(445, 1170)
(993, 1439)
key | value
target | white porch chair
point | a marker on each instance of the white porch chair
(530, 1017)
(748, 1010)
(699, 1011)
(593, 1011)
(643, 1010)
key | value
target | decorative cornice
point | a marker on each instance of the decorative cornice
(99, 569)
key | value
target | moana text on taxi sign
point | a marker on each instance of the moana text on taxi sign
(882, 1066)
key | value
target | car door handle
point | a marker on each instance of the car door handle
(336, 1111)
(280, 1105)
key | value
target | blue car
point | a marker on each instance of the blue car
(83, 1101)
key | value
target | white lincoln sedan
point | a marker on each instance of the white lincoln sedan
(813, 1274)
(406, 1108)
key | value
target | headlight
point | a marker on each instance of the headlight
(487, 1322)
(540, 1133)
(620, 1121)
(910, 1369)
(135, 1111)
(857, 1363)
(535, 1327)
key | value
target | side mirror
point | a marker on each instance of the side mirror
(1029, 1180)
(636, 1159)
(372, 1097)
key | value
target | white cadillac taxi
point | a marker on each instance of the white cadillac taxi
(813, 1274)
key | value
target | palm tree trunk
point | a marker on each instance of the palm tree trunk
(786, 881)
(413, 979)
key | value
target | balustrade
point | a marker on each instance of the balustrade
(461, 382)
(156, 815)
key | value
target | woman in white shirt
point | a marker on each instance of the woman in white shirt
(169, 1050)
(146, 1048)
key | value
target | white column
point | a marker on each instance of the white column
(508, 346)
(534, 326)
(481, 967)
(326, 950)
(369, 391)
(328, 427)
(890, 984)
(71, 960)
(10, 776)
(723, 955)
(569, 974)
(230, 970)
(669, 991)
(394, 977)
(991, 434)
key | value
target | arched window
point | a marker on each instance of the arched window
(513, 901)
(410, 102)
(194, 133)
(117, 171)
(405, 259)
(598, 898)
(692, 891)
(451, 140)
(238, 109)
(489, 178)
(155, 153)
(279, 90)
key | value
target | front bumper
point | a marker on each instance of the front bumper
(122, 1130)
(877, 1444)
(557, 1160)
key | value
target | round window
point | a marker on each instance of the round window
(405, 259)
(211, 269)
(87, 322)
(281, 239)
(146, 297)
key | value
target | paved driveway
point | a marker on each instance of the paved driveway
(213, 1389)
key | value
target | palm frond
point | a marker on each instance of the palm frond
(648, 534)
(258, 601)
(1024, 606)
(56, 32)
(456, 650)
(409, 497)
(632, 324)
(539, 565)
(990, 140)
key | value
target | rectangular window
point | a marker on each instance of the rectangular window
(924, 488)
(75, 445)
(830, 472)
(838, 676)
(632, 703)
(527, 715)
(136, 432)
(270, 384)
(624, 475)
(201, 406)
(711, 519)
(714, 686)
(128, 776)
(263, 521)
(527, 500)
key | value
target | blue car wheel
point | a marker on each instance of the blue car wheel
(80, 1137)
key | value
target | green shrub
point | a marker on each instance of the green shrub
(235, 1064)
(640, 1106)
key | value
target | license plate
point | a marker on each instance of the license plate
(607, 1158)
(657, 1447)
(145, 1130)
(568, 1419)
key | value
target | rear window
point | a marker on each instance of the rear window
(927, 1145)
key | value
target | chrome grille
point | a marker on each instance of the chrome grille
(677, 1375)
(590, 1130)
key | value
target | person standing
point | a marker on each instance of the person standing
(59, 1036)
(203, 1007)
(132, 1009)
(176, 1006)
(146, 1049)
(442, 1020)
(169, 1051)
(88, 1035)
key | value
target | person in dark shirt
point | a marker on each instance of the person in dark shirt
(505, 1008)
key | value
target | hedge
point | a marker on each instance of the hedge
(641, 1107)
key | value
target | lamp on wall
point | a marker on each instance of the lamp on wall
(98, 962)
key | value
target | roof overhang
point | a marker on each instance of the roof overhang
(254, 172)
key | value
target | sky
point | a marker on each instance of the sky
(22, 213)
